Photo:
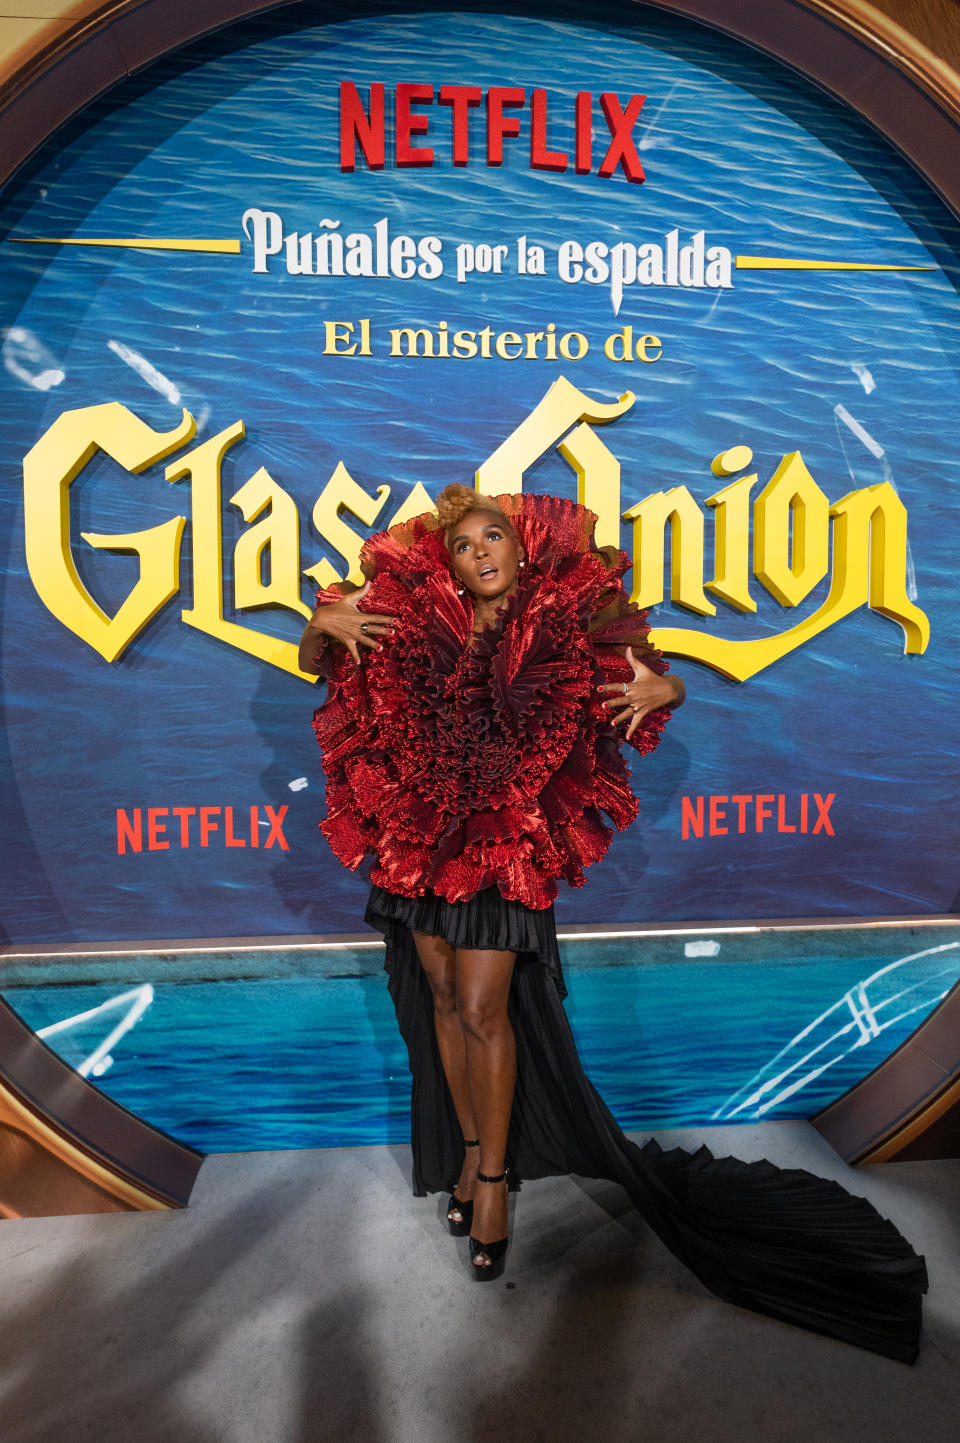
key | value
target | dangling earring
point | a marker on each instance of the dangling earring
(461, 590)
(522, 562)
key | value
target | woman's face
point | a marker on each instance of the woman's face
(485, 555)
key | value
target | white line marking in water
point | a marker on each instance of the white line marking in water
(137, 1000)
(27, 358)
(866, 379)
(146, 371)
(842, 414)
(703, 947)
(861, 434)
(645, 142)
(709, 316)
(854, 1010)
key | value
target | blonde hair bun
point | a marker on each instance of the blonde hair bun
(456, 501)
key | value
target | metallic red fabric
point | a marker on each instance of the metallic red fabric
(464, 768)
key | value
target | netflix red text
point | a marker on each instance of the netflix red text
(158, 829)
(805, 813)
(415, 118)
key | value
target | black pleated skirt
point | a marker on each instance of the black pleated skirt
(779, 1241)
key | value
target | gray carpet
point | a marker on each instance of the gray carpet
(307, 1296)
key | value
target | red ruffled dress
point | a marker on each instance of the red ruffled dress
(465, 767)
(477, 777)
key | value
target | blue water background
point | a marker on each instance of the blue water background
(733, 144)
(307, 1052)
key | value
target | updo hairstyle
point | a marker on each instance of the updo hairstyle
(456, 501)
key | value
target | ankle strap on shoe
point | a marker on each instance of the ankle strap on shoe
(471, 1142)
(482, 1177)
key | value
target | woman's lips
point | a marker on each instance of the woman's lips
(487, 571)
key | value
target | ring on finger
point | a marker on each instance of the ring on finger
(636, 708)
(363, 627)
(624, 685)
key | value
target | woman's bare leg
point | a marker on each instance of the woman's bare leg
(439, 963)
(482, 987)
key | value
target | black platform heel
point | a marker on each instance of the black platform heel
(496, 1252)
(460, 1227)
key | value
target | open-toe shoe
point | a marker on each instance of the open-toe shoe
(460, 1226)
(495, 1253)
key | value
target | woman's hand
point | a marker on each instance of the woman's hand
(644, 694)
(341, 621)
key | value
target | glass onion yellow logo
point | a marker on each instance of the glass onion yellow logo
(782, 535)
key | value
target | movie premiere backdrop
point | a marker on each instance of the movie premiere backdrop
(275, 293)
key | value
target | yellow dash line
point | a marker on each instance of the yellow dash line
(781, 263)
(216, 247)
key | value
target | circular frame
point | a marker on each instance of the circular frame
(849, 47)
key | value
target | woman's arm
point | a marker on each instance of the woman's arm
(341, 621)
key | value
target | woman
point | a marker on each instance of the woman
(469, 742)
